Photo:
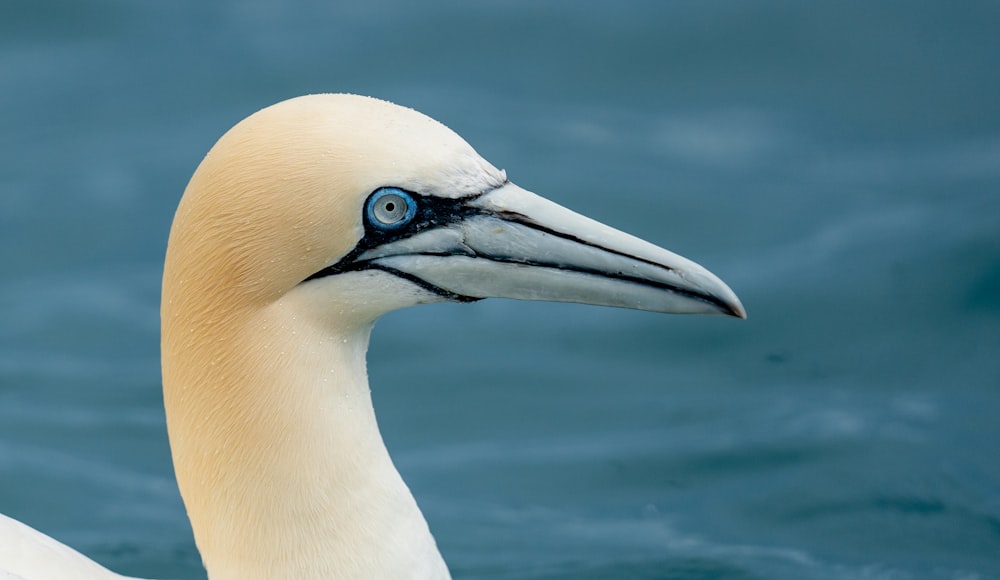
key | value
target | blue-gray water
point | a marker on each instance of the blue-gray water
(837, 162)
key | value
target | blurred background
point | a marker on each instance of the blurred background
(837, 162)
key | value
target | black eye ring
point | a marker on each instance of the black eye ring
(389, 208)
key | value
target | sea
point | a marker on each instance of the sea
(836, 162)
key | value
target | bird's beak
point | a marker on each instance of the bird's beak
(511, 243)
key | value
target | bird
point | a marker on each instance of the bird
(302, 225)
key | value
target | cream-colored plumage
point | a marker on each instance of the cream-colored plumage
(273, 279)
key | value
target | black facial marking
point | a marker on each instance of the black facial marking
(432, 212)
(447, 294)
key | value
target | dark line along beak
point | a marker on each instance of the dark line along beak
(511, 243)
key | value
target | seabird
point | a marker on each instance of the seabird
(304, 223)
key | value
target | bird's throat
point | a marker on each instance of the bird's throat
(278, 454)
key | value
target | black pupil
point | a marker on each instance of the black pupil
(389, 206)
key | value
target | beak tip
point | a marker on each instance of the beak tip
(718, 293)
(731, 305)
(725, 300)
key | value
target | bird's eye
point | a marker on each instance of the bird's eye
(390, 208)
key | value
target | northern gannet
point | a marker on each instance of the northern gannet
(303, 224)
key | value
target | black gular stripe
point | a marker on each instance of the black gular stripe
(424, 284)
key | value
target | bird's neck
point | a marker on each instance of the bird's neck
(278, 454)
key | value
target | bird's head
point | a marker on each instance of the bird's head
(368, 207)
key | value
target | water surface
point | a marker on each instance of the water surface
(838, 163)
